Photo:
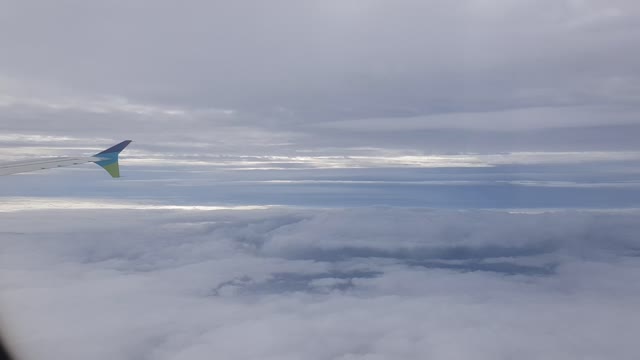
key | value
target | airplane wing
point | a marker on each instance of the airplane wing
(107, 159)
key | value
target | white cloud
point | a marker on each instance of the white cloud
(23, 204)
(319, 284)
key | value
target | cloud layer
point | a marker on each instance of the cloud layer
(434, 76)
(282, 283)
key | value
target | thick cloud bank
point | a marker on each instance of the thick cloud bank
(378, 283)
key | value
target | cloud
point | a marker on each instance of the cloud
(375, 283)
(469, 76)
(237, 106)
(508, 121)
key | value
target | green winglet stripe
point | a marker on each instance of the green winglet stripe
(113, 169)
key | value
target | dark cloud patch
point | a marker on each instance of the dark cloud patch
(279, 283)
(419, 253)
(508, 268)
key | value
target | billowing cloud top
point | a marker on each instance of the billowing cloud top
(158, 283)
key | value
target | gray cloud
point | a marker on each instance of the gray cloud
(319, 284)
(435, 76)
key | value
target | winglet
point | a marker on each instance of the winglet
(109, 158)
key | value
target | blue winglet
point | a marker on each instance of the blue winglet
(109, 158)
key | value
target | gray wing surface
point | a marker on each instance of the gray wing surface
(15, 167)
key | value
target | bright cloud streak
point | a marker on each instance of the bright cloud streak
(31, 203)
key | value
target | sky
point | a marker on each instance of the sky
(534, 94)
(297, 165)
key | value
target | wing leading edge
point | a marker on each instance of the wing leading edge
(107, 159)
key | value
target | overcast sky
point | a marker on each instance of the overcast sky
(281, 76)
(204, 86)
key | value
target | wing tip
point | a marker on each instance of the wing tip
(116, 148)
